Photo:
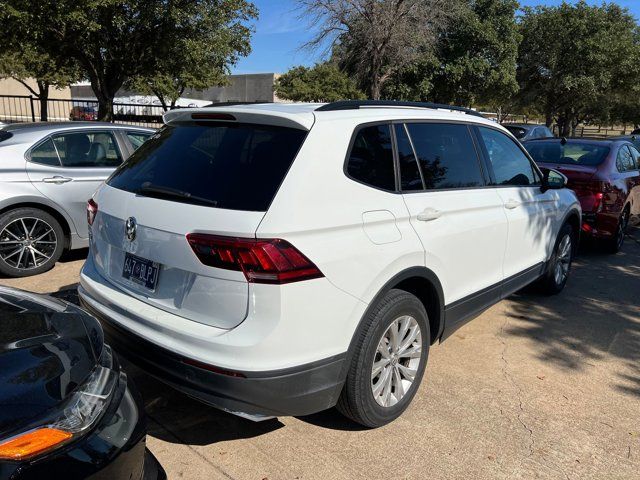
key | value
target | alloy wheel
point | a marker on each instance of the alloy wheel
(27, 243)
(563, 260)
(396, 361)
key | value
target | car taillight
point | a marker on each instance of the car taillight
(92, 211)
(591, 194)
(273, 260)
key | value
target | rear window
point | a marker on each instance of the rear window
(517, 132)
(227, 165)
(573, 153)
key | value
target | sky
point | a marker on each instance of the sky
(280, 33)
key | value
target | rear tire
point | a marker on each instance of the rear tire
(614, 245)
(559, 265)
(31, 242)
(389, 361)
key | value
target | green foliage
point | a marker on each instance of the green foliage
(475, 62)
(115, 41)
(577, 61)
(205, 39)
(322, 83)
(25, 54)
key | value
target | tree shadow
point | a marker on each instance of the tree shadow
(598, 314)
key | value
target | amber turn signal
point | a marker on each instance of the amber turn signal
(32, 443)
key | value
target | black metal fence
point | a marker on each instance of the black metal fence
(24, 108)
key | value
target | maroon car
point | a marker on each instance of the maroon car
(605, 176)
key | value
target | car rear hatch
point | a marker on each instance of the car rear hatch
(204, 173)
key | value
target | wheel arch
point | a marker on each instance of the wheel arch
(64, 222)
(421, 282)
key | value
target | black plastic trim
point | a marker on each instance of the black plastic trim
(357, 104)
(466, 309)
(299, 390)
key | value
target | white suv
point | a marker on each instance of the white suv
(282, 259)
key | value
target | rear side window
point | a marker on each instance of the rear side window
(371, 158)
(625, 161)
(510, 165)
(517, 132)
(446, 155)
(45, 154)
(136, 139)
(228, 165)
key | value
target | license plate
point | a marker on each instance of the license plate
(141, 271)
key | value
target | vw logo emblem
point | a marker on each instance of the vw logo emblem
(130, 229)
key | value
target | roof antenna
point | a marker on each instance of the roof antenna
(563, 140)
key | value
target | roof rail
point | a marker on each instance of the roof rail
(356, 104)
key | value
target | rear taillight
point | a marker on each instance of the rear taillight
(92, 210)
(591, 194)
(261, 261)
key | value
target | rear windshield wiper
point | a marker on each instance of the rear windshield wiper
(149, 189)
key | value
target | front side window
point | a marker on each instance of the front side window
(446, 155)
(510, 165)
(371, 158)
(87, 149)
(45, 154)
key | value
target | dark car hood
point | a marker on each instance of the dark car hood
(47, 348)
(578, 173)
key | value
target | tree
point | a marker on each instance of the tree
(206, 38)
(575, 59)
(474, 62)
(322, 83)
(23, 56)
(374, 39)
(115, 40)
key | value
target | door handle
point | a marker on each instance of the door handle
(511, 204)
(429, 214)
(57, 179)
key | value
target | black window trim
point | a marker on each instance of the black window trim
(345, 166)
(485, 172)
(485, 154)
(27, 154)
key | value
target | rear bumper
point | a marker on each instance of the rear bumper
(600, 225)
(295, 391)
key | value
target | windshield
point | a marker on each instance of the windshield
(517, 132)
(573, 153)
(228, 165)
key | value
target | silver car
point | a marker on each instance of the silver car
(48, 171)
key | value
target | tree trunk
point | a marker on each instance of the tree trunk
(43, 96)
(374, 91)
(105, 109)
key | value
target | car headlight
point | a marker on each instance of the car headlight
(79, 413)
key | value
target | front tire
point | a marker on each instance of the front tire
(31, 242)
(389, 361)
(560, 262)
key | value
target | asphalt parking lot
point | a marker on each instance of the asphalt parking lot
(536, 387)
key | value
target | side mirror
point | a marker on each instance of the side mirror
(553, 180)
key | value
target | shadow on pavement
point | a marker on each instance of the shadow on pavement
(176, 418)
(597, 315)
(74, 255)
